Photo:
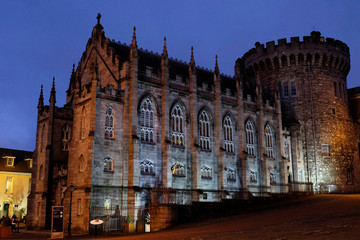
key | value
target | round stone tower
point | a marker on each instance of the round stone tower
(310, 76)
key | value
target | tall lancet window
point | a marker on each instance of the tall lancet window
(65, 136)
(269, 141)
(82, 123)
(228, 135)
(204, 130)
(42, 140)
(147, 120)
(109, 123)
(250, 138)
(177, 126)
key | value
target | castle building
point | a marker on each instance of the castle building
(140, 129)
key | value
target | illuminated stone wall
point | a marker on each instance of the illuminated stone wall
(311, 75)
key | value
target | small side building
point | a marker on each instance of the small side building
(15, 180)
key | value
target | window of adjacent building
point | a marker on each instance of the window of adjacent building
(65, 136)
(10, 161)
(9, 185)
(177, 126)
(83, 124)
(29, 162)
(286, 89)
(230, 174)
(272, 178)
(178, 169)
(250, 138)
(206, 172)
(253, 176)
(147, 167)
(81, 163)
(228, 135)
(269, 141)
(293, 89)
(109, 123)
(147, 121)
(108, 164)
(204, 131)
(325, 149)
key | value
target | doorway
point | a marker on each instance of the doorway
(6, 209)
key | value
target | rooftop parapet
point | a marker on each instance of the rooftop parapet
(308, 42)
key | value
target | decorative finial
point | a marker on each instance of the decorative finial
(165, 48)
(133, 42)
(73, 70)
(216, 66)
(192, 60)
(41, 98)
(98, 18)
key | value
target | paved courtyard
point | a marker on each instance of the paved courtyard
(317, 217)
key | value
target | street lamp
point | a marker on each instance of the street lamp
(71, 188)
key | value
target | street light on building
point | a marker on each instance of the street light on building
(71, 188)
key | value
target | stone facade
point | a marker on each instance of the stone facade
(311, 78)
(146, 129)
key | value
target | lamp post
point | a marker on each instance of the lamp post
(71, 188)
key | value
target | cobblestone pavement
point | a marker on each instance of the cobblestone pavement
(318, 217)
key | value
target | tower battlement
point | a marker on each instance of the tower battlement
(313, 50)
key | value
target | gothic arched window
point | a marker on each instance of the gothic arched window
(178, 169)
(147, 167)
(269, 141)
(230, 174)
(206, 171)
(42, 140)
(65, 136)
(109, 123)
(204, 130)
(250, 138)
(177, 126)
(81, 163)
(108, 164)
(147, 120)
(82, 123)
(228, 135)
(41, 172)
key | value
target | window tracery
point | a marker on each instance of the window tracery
(250, 138)
(178, 170)
(177, 126)
(109, 123)
(228, 135)
(204, 131)
(108, 164)
(147, 121)
(147, 167)
(269, 141)
(206, 171)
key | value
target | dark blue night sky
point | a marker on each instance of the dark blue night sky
(42, 39)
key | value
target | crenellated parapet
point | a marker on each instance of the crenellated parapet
(314, 50)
